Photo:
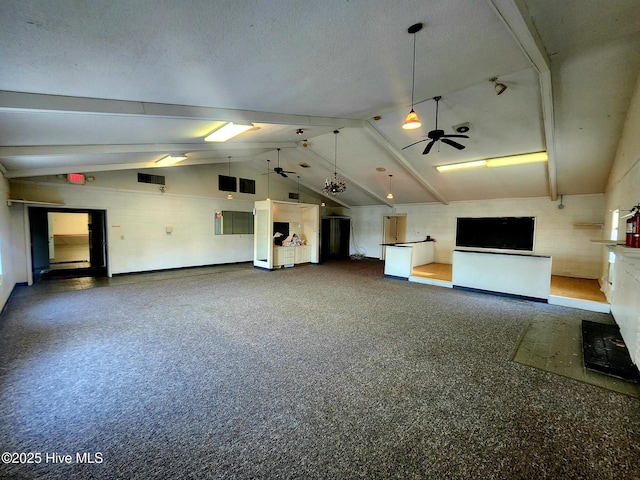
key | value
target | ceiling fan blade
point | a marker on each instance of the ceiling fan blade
(419, 141)
(452, 143)
(428, 148)
(283, 174)
(455, 136)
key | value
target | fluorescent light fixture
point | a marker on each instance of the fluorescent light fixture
(171, 160)
(497, 162)
(518, 159)
(461, 166)
(227, 132)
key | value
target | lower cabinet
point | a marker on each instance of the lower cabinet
(289, 256)
(302, 254)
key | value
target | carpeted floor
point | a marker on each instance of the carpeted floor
(328, 371)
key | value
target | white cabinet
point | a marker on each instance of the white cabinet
(289, 256)
(302, 254)
(283, 256)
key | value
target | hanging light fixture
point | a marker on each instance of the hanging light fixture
(229, 196)
(267, 174)
(412, 121)
(390, 194)
(335, 185)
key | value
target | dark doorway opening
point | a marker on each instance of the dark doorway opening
(335, 238)
(67, 242)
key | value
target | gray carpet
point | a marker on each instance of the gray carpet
(329, 371)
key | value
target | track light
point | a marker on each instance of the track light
(412, 121)
(500, 87)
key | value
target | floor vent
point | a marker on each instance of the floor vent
(154, 179)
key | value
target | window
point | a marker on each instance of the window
(247, 186)
(230, 222)
(613, 235)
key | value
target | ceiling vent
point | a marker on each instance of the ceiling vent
(294, 196)
(153, 179)
(304, 165)
(462, 128)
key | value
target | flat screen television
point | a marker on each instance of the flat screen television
(508, 233)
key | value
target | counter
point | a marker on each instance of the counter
(400, 258)
(516, 274)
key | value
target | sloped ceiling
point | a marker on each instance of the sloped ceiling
(118, 85)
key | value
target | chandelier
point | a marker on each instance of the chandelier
(335, 184)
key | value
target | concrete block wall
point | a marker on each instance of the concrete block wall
(556, 233)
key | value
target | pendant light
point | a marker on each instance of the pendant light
(335, 185)
(390, 194)
(268, 196)
(412, 121)
(229, 196)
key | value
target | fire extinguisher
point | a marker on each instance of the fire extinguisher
(633, 228)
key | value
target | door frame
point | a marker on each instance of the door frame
(63, 209)
(385, 217)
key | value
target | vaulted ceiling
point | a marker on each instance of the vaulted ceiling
(102, 86)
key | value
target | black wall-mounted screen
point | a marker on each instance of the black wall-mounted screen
(226, 183)
(509, 233)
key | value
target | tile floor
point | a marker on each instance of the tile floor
(554, 343)
(54, 285)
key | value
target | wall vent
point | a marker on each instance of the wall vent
(154, 179)
(293, 196)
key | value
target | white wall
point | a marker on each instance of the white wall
(138, 215)
(573, 253)
(6, 246)
(70, 223)
(623, 192)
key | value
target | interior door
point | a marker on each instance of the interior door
(39, 234)
(97, 239)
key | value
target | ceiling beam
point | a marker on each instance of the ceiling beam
(14, 151)
(514, 15)
(390, 148)
(35, 102)
(319, 158)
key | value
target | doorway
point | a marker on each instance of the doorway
(335, 238)
(67, 242)
(394, 227)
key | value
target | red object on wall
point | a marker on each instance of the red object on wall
(76, 178)
(633, 230)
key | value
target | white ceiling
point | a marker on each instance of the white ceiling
(100, 86)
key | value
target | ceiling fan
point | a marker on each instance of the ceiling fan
(436, 135)
(279, 170)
